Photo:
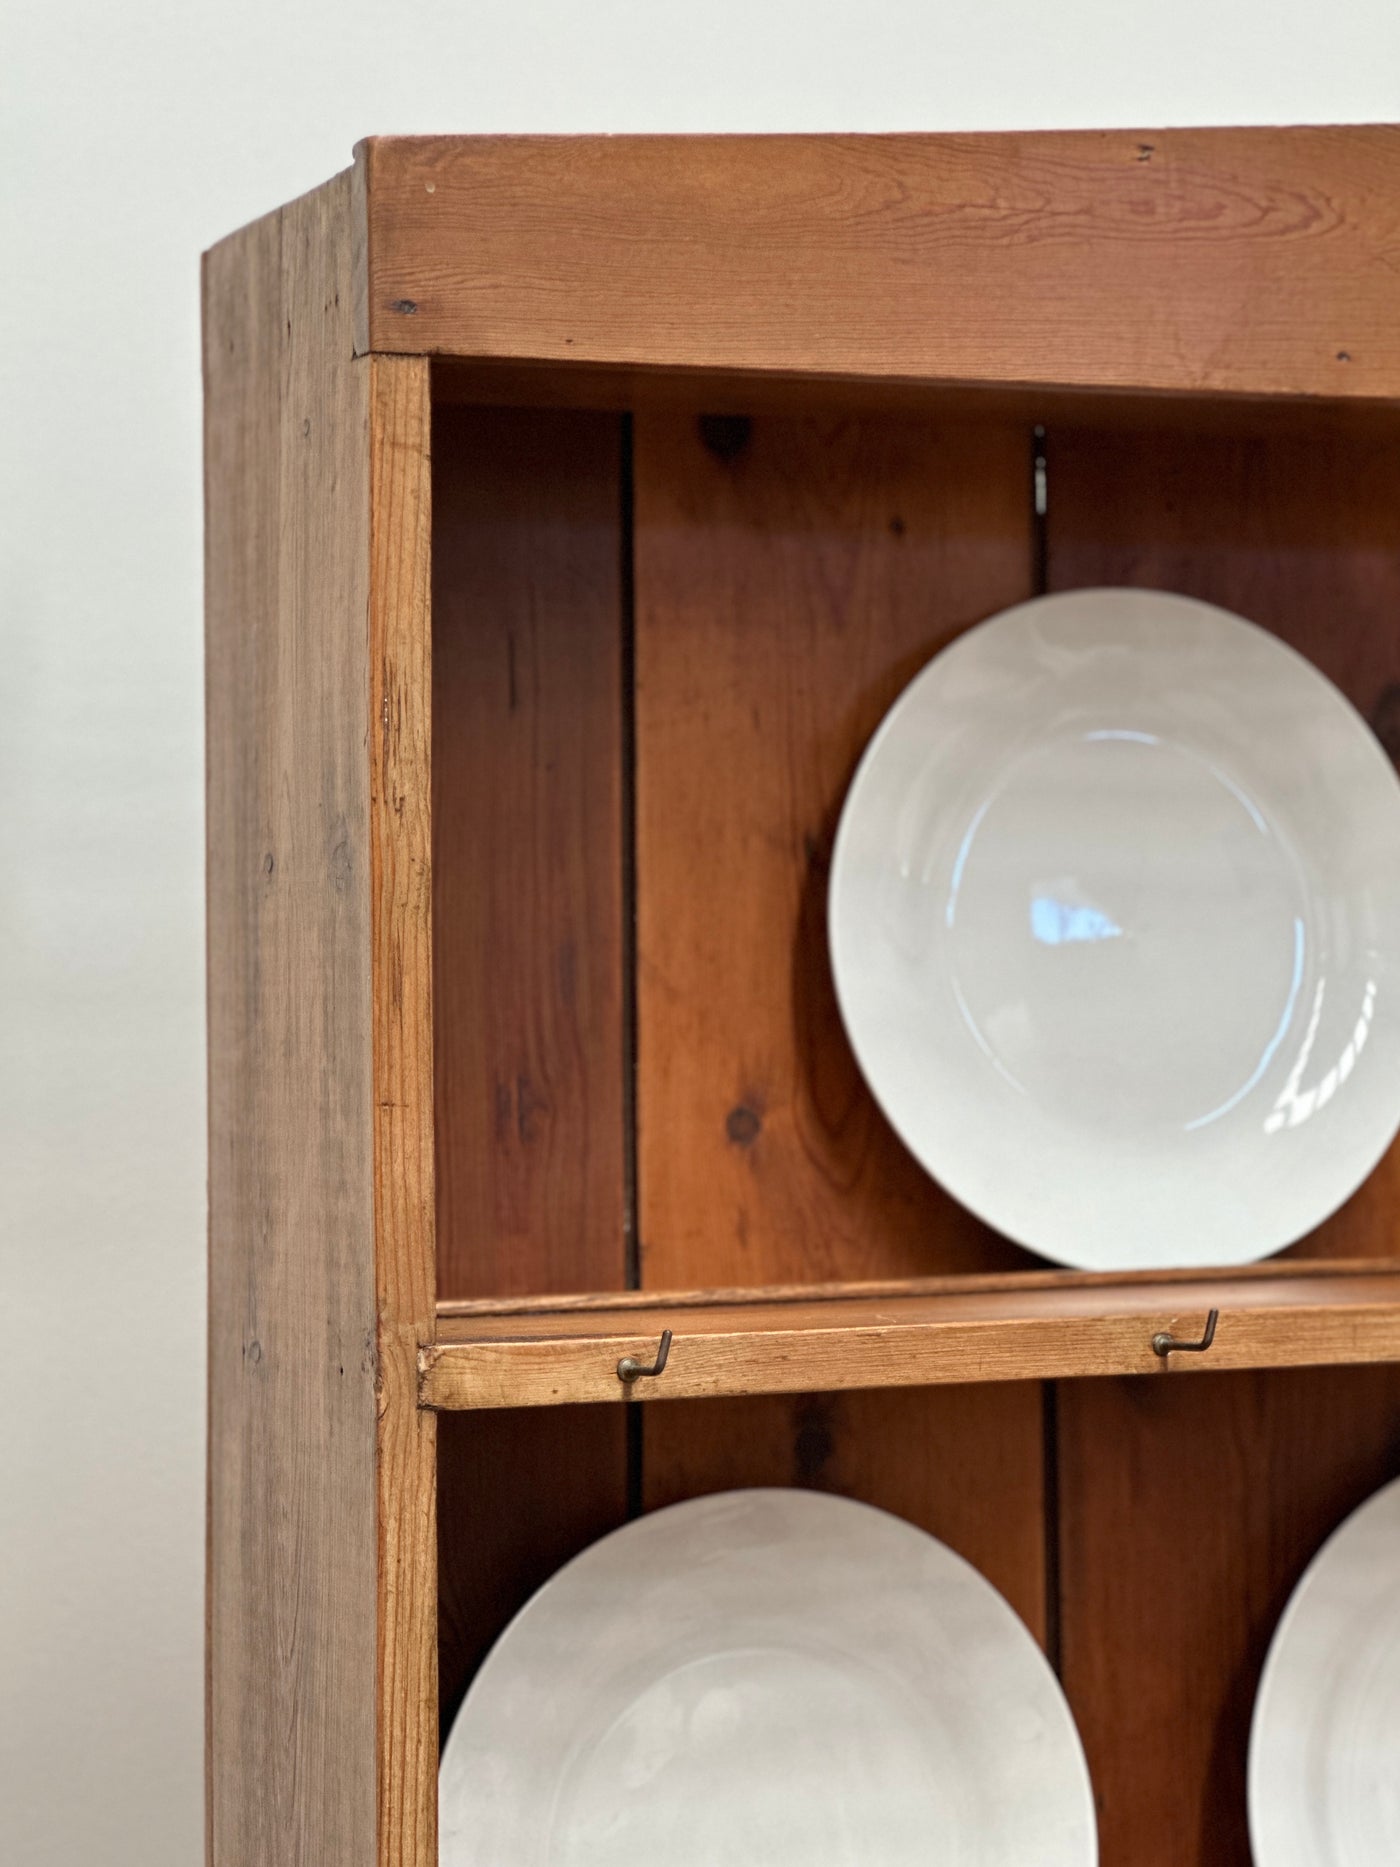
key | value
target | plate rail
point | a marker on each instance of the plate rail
(1036, 1326)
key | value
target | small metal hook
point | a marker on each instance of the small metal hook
(1165, 1343)
(630, 1369)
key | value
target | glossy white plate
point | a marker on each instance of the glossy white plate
(1324, 1753)
(1115, 920)
(772, 1678)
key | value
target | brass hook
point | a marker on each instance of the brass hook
(1165, 1343)
(630, 1369)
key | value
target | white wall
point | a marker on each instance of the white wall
(131, 136)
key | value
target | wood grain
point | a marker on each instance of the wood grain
(1297, 533)
(791, 577)
(400, 801)
(1237, 261)
(292, 1310)
(528, 852)
(842, 1343)
(528, 906)
(1189, 1509)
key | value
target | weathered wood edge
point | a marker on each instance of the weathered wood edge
(291, 1537)
(359, 253)
(317, 472)
(399, 757)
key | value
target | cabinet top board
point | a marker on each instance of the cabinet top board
(1207, 263)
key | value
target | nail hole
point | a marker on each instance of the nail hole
(742, 1125)
(726, 436)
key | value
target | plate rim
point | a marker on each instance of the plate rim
(804, 1499)
(1101, 594)
(1385, 1496)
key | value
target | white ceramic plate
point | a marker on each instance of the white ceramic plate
(1115, 921)
(1324, 1753)
(773, 1678)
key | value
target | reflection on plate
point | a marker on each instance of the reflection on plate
(1324, 1753)
(776, 1677)
(1115, 923)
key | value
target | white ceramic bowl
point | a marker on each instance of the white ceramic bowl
(778, 1678)
(1115, 924)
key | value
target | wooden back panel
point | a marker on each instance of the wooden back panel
(791, 577)
(528, 892)
(792, 574)
(1188, 1511)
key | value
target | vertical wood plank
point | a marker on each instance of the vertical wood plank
(528, 957)
(792, 574)
(1188, 1514)
(292, 1352)
(1189, 1509)
(400, 713)
(522, 1492)
(528, 878)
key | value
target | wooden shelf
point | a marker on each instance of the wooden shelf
(1038, 1326)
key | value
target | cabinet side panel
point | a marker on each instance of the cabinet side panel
(291, 1294)
(792, 575)
(528, 902)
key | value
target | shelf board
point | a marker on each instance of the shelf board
(1035, 1326)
